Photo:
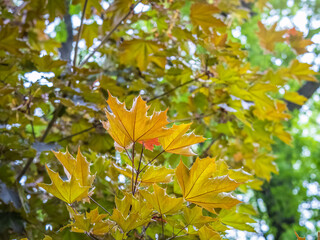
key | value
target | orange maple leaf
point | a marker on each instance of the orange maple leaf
(149, 144)
(134, 125)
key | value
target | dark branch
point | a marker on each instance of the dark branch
(79, 33)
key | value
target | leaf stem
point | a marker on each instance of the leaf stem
(151, 161)
(138, 170)
(106, 37)
(79, 33)
(99, 205)
(133, 168)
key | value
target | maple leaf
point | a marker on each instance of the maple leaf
(134, 205)
(129, 222)
(161, 201)
(79, 167)
(212, 196)
(126, 127)
(295, 97)
(202, 15)
(301, 71)
(193, 216)
(235, 219)
(179, 142)
(68, 191)
(79, 178)
(297, 42)
(90, 222)
(263, 165)
(207, 233)
(140, 53)
(268, 37)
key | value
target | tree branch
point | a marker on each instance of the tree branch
(79, 33)
(106, 37)
(100, 205)
(175, 88)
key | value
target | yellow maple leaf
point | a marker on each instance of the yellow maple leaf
(134, 205)
(263, 165)
(127, 127)
(163, 203)
(179, 142)
(192, 182)
(193, 217)
(235, 219)
(268, 37)
(128, 222)
(79, 167)
(295, 97)
(202, 15)
(90, 222)
(301, 71)
(68, 191)
(207, 233)
(79, 178)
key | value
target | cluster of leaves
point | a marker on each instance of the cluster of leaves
(176, 54)
(137, 207)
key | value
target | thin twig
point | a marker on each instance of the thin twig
(52, 121)
(73, 135)
(99, 205)
(24, 170)
(106, 37)
(175, 88)
(162, 227)
(79, 33)
(151, 161)
(32, 129)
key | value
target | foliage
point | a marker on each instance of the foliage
(178, 55)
